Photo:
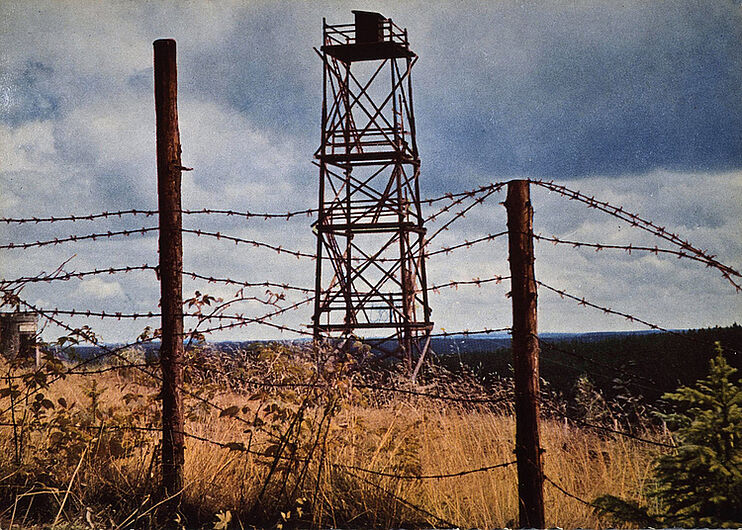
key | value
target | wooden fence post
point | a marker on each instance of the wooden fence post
(525, 355)
(171, 265)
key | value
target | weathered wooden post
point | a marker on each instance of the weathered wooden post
(171, 265)
(525, 355)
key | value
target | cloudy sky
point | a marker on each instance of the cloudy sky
(637, 103)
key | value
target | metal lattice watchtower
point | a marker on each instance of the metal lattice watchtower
(371, 280)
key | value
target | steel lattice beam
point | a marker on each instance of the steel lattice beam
(370, 223)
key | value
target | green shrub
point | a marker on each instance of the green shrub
(699, 484)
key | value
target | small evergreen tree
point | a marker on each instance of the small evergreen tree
(700, 483)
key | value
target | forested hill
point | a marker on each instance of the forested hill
(648, 364)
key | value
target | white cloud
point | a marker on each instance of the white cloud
(96, 151)
(100, 289)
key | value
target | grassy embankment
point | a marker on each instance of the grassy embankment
(282, 438)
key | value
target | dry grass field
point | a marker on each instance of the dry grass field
(333, 454)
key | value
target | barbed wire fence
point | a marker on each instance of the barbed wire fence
(12, 296)
(207, 315)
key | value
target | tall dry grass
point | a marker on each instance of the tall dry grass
(317, 478)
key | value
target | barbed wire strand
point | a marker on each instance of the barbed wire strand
(567, 493)
(627, 316)
(212, 211)
(643, 224)
(399, 499)
(603, 428)
(680, 254)
(466, 332)
(461, 214)
(465, 244)
(76, 238)
(93, 340)
(69, 275)
(474, 281)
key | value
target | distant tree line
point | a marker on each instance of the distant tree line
(643, 365)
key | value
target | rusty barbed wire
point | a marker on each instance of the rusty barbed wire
(237, 446)
(458, 198)
(474, 281)
(92, 339)
(74, 218)
(150, 213)
(466, 244)
(432, 217)
(654, 250)
(219, 236)
(466, 193)
(308, 212)
(237, 240)
(581, 301)
(437, 519)
(568, 494)
(103, 235)
(627, 316)
(260, 320)
(643, 224)
(229, 281)
(62, 275)
(218, 211)
(462, 213)
(438, 397)
(242, 321)
(117, 315)
(428, 477)
(93, 237)
(241, 446)
(467, 332)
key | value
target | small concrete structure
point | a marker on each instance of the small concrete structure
(18, 335)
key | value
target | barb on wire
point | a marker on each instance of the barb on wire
(427, 477)
(474, 281)
(399, 499)
(568, 494)
(61, 275)
(466, 244)
(680, 254)
(229, 281)
(607, 310)
(643, 224)
(74, 238)
(74, 218)
(466, 332)
(462, 213)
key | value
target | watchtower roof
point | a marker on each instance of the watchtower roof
(372, 37)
